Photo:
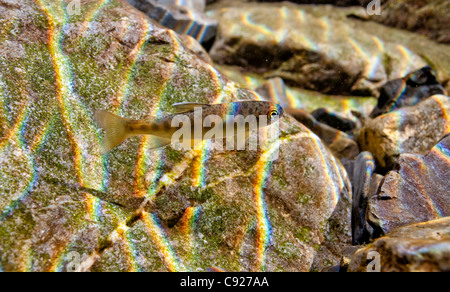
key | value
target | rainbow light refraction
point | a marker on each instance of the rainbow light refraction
(263, 227)
(161, 241)
(134, 170)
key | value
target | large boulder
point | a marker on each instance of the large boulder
(318, 53)
(429, 17)
(65, 206)
(320, 47)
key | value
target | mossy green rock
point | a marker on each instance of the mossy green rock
(65, 207)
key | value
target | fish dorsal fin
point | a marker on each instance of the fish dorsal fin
(183, 107)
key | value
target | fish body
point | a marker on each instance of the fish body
(200, 118)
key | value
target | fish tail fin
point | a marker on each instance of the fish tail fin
(115, 129)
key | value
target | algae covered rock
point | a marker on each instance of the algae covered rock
(66, 207)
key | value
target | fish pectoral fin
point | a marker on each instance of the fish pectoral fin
(155, 142)
(183, 107)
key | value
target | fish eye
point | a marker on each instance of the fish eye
(272, 114)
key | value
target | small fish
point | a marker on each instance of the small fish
(117, 129)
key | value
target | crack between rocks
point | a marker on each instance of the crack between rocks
(96, 193)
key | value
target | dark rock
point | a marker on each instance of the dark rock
(408, 130)
(350, 107)
(407, 91)
(365, 184)
(334, 120)
(418, 191)
(423, 247)
(181, 19)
